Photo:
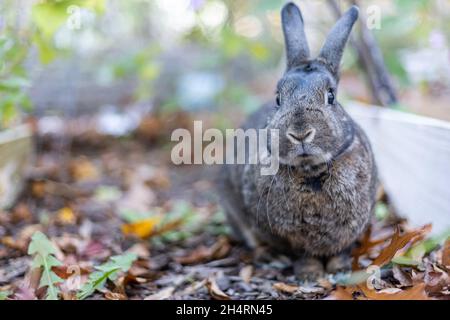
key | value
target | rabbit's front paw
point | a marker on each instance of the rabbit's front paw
(339, 264)
(309, 269)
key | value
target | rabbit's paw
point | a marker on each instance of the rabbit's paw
(339, 264)
(309, 269)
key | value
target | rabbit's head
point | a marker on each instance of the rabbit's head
(313, 127)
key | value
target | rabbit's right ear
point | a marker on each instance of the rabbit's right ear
(297, 49)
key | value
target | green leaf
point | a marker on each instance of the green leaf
(4, 295)
(424, 247)
(109, 270)
(381, 211)
(353, 278)
(43, 251)
(41, 245)
(406, 261)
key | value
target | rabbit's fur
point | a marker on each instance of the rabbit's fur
(322, 198)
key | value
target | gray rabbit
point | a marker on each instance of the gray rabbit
(322, 197)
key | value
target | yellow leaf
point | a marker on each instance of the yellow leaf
(83, 170)
(143, 228)
(66, 216)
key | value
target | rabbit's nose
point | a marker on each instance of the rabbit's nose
(301, 136)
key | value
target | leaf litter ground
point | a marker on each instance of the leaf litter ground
(105, 199)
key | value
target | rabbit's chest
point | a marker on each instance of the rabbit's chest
(315, 215)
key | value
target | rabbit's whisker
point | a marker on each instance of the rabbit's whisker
(267, 203)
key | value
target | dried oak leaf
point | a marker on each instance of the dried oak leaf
(284, 287)
(65, 272)
(215, 292)
(437, 281)
(398, 242)
(404, 278)
(417, 292)
(202, 253)
(364, 248)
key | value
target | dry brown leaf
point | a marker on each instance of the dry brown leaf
(342, 293)
(214, 290)
(163, 294)
(284, 287)
(140, 249)
(21, 213)
(202, 253)
(398, 242)
(12, 243)
(437, 281)
(150, 128)
(415, 293)
(115, 296)
(21, 241)
(38, 189)
(65, 272)
(159, 179)
(246, 273)
(366, 245)
(403, 277)
(446, 254)
(83, 170)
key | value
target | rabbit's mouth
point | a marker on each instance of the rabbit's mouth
(310, 165)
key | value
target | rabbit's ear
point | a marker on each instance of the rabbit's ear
(297, 49)
(334, 45)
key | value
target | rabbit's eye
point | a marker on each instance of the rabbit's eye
(278, 99)
(330, 96)
(308, 68)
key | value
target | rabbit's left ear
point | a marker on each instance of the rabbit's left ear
(297, 49)
(334, 45)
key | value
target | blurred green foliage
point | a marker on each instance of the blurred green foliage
(240, 48)
(47, 17)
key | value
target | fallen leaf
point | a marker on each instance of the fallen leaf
(246, 273)
(162, 294)
(202, 254)
(143, 228)
(25, 293)
(140, 249)
(437, 281)
(398, 242)
(21, 213)
(446, 254)
(158, 179)
(342, 293)
(66, 216)
(214, 290)
(364, 248)
(288, 288)
(65, 272)
(38, 189)
(115, 296)
(83, 170)
(415, 293)
(402, 277)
